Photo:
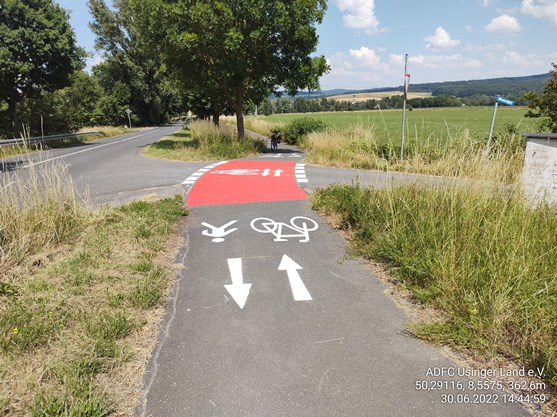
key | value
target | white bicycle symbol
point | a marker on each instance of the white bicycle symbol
(300, 225)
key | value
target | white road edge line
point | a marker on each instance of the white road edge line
(88, 149)
(300, 174)
(189, 181)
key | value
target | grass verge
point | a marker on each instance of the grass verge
(484, 259)
(204, 142)
(80, 298)
(462, 156)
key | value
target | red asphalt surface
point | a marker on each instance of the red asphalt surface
(239, 182)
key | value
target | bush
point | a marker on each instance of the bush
(298, 128)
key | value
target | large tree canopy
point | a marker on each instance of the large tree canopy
(38, 51)
(544, 103)
(128, 61)
(240, 50)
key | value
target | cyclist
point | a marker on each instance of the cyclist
(275, 137)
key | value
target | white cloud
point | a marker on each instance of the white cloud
(485, 48)
(503, 23)
(396, 59)
(515, 59)
(360, 15)
(542, 9)
(366, 55)
(487, 3)
(359, 68)
(440, 40)
(445, 61)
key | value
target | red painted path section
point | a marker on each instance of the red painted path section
(238, 182)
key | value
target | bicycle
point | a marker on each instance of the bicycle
(274, 143)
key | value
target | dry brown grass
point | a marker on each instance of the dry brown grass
(81, 296)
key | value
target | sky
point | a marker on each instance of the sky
(365, 41)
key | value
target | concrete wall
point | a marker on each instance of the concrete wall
(539, 177)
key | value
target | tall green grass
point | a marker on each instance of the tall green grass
(421, 123)
(484, 258)
(462, 156)
(205, 141)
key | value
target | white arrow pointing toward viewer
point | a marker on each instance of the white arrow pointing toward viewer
(238, 290)
(299, 290)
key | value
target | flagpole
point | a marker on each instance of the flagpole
(406, 81)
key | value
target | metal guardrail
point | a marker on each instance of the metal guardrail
(39, 139)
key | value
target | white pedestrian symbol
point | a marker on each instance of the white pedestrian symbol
(218, 233)
(299, 227)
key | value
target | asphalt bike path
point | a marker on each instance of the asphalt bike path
(268, 319)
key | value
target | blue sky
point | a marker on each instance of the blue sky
(365, 41)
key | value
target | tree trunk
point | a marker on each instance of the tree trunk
(239, 107)
(216, 117)
(12, 111)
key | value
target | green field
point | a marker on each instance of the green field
(422, 124)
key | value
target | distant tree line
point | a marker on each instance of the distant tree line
(513, 87)
(308, 105)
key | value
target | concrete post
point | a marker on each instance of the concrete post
(539, 177)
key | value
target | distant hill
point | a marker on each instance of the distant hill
(511, 87)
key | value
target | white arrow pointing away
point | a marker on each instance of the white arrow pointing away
(238, 290)
(299, 290)
(278, 172)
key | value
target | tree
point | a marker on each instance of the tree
(38, 51)
(544, 103)
(129, 61)
(242, 49)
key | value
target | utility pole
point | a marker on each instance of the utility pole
(406, 83)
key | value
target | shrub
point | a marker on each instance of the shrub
(299, 128)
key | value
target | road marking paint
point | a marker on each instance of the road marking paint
(189, 181)
(299, 290)
(87, 150)
(218, 233)
(301, 226)
(300, 173)
(244, 181)
(238, 290)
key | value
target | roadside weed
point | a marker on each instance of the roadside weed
(483, 257)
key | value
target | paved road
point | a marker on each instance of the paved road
(111, 170)
(268, 319)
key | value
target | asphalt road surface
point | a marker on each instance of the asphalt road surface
(112, 170)
(268, 318)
